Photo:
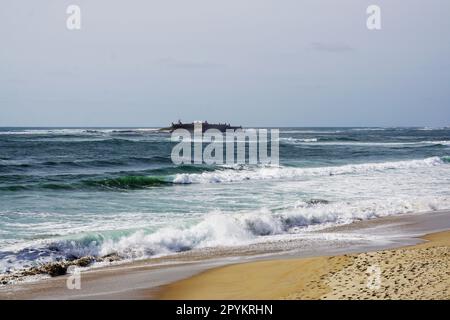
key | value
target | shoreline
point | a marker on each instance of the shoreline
(413, 272)
(144, 279)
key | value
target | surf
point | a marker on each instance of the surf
(292, 173)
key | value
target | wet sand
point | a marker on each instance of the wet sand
(157, 278)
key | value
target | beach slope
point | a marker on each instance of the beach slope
(414, 272)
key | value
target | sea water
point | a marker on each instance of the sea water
(71, 192)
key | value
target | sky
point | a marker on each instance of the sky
(146, 63)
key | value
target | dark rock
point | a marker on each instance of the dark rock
(111, 257)
(313, 202)
(84, 262)
(55, 269)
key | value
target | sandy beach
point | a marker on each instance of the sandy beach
(414, 272)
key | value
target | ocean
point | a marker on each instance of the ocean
(66, 193)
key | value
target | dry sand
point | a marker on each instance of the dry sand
(415, 272)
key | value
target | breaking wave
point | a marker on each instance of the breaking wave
(189, 174)
(219, 229)
(298, 140)
(291, 173)
(354, 142)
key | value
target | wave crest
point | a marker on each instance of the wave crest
(290, 173)
(221, 229)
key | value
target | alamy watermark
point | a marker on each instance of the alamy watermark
(73, 21)
(73, 281)
(373, 277)
(374, 19)
(249, 146)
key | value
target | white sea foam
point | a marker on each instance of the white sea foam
(222, 229)
(290, 173)
(42, 132)
(315, 141)
(87, 131)
(432, 129)
(295, 140)
(312, 131)
(442, 142)
(368, 129)
(219, 229)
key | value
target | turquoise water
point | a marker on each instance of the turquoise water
(70, 192)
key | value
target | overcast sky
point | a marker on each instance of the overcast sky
(248, 62)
